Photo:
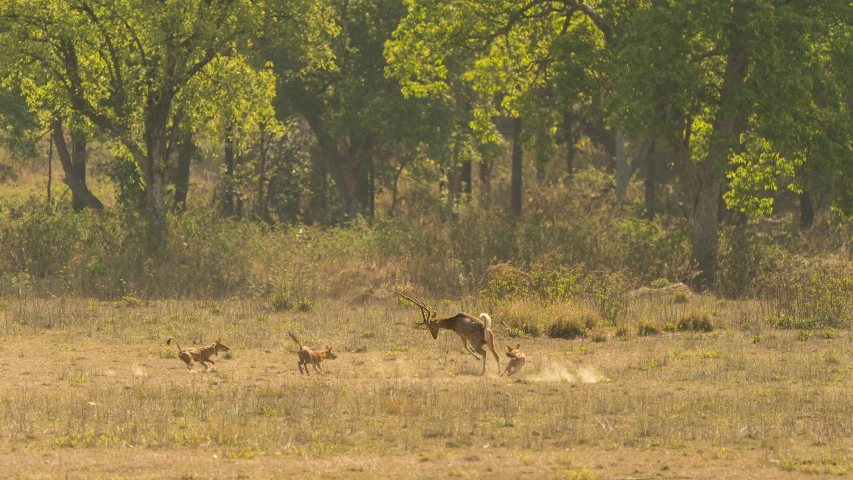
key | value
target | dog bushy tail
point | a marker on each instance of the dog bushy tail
(178, 345)
(293, 337)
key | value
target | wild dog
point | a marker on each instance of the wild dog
(199, 354)
(517, 360)
(311, 357)
(474, 332)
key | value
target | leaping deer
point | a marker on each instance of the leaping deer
(473, 331)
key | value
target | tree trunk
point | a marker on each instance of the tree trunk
(228, 181)
(706, 182)
(364, 187)
(571, 151)
(79, 155)
(623, 169)
(705, 231)
(182, 173)
(650, 181)
(466, 177)
(517, 163)
(454, 180)
(486, 183)
(78, 187)
(260, 207)
(318, 185)
(806, 210)
(50, 172)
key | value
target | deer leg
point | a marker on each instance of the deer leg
(483, 355)
(490, 342)
(467, 345)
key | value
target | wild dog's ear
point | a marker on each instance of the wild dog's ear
(509, 348)
(518, 347)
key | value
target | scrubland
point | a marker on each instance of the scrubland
(91, 390)
(630, 373)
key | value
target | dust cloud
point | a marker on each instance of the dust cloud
(560, 373)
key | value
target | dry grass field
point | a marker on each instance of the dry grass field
(90, 390)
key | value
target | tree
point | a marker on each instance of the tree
(332, 76)
(539, 60)
(723, 84)
(123, 66)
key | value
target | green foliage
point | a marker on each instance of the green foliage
(812, 297)
(755, 172)
(661, 283)
(131, 301)
(695, 321)
(305, 305)
(647, 328)
(533, 319)
(566, 329)
(281, 301)
(680, 297)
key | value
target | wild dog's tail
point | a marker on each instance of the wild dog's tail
(487, 319)
(169, 342)
(292, 336)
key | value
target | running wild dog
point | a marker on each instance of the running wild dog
(311, 357)
(473, 331)
(198, 354)
(517, 360)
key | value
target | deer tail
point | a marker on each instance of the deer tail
(293, 337)
(487, 319)
(178, 345)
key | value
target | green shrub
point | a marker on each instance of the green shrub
(571, 321)
(695, 321)
(661, 283)
(305, 305)
(647, 328)
(813, 297)
(566, 329)
(608, 293)
(522, 319)
(787, 322)
(281, 301)
(680, 297)
(131, 301)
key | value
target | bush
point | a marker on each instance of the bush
(647, 328)
(305, 305)
(680, 297)
(532, 319)
(281, 301)
(813, 297)
(522, 319)
(695, 321)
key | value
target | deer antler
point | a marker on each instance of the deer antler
(425, 312)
